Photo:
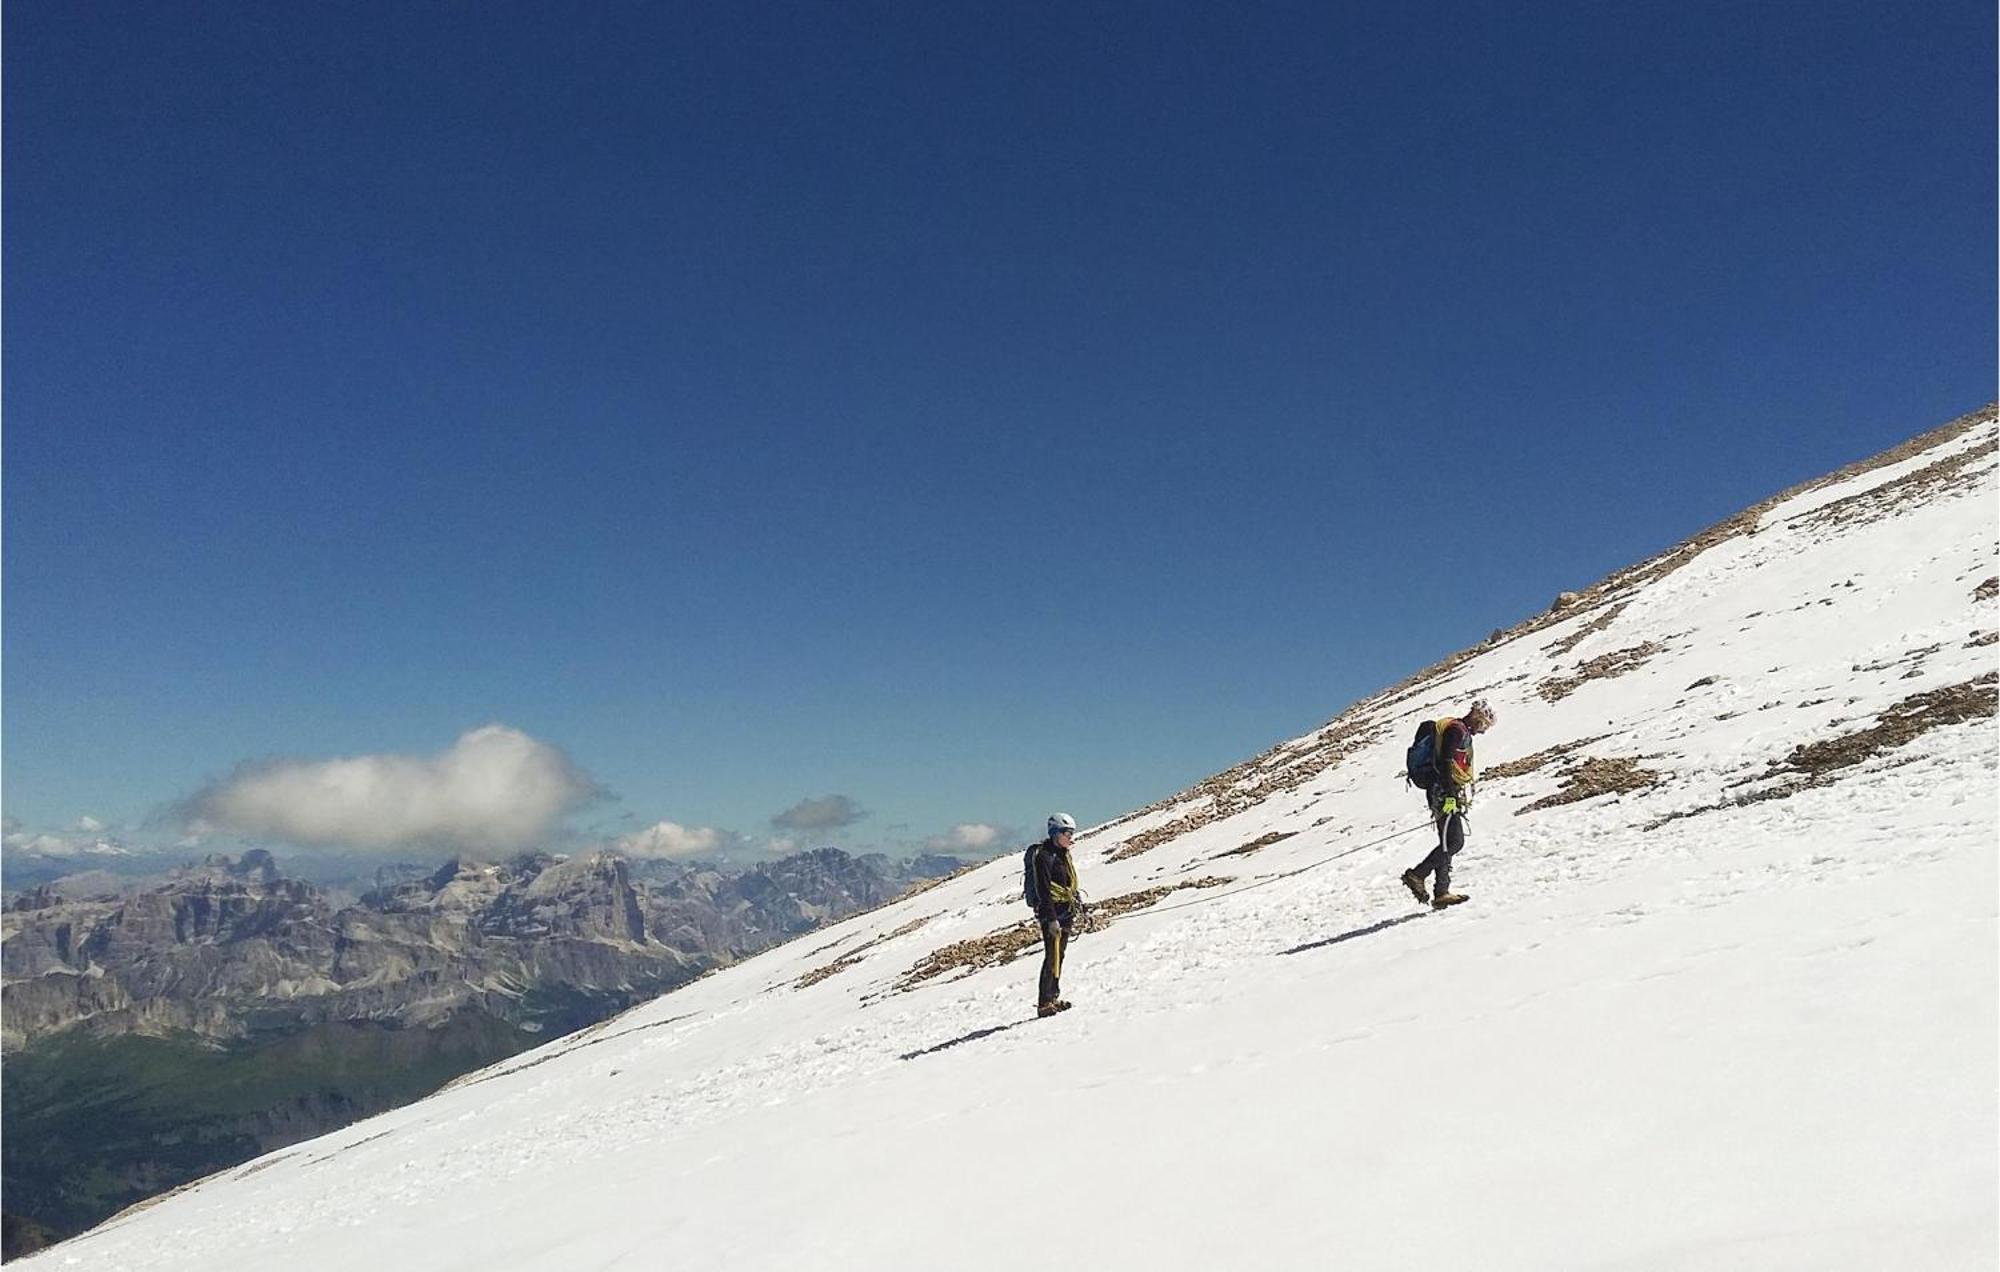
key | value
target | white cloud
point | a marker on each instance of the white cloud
(495, 788)
(966, 837)
(89, 825)
(61, 844)
(668, 839)
(42, 843)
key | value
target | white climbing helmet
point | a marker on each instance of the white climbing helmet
(1061, 822)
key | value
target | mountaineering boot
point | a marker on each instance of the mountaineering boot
(1444, 899)
(1415, 883)
(1050, 1009)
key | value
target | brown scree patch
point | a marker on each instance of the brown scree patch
(1594, 777)
(1813, 764)
(1006, 944)
(1602, 667)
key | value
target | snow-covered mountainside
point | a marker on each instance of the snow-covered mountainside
(1724, 996)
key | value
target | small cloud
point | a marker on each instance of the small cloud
(494, 788)
(60, 844)
(966, 837)
(40, 843)
(89, 825)
(829, 812)
(669, 840)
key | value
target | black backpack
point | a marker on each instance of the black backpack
(1029, 891)
(1420, 761)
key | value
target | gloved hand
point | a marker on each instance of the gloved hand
(1450, 805)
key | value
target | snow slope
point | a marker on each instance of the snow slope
(1760, 1034)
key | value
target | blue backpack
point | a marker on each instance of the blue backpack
(1420, 761)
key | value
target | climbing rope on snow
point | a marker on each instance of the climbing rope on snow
(1207, 897)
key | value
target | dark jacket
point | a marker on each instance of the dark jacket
(1055, 882)
(1454, 757)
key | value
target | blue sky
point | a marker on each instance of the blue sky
(961, 411)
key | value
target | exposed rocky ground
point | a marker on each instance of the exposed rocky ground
(1602, 667)
(1006, 944)
(1598, 775)
(1825, 760)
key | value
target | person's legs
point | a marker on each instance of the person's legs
(1054, 937)
(1451, 838)
(1436, 858)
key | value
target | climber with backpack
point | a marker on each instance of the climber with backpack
(1440, 762)
(1048, 883)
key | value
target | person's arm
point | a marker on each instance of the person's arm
(1456, 748)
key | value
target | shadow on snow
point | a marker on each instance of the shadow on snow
(974, 1036)
(990, 1030)
(1370, 930)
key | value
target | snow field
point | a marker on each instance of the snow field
(1754, 1037)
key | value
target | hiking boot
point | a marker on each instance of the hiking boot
(1050, 1009)
(1415, 883)
(1444, 899)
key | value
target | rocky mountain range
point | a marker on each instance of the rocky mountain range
(164, 1032)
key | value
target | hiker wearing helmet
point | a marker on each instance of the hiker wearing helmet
(1449, 793)
(1056, 899)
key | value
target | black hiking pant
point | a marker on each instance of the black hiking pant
(1451, 838)
(1055, 939)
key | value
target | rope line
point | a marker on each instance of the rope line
(1207, 897)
